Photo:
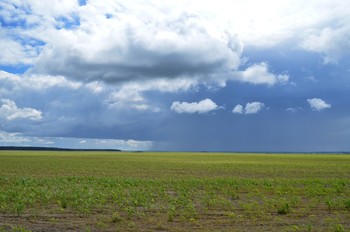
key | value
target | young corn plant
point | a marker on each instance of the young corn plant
(347, 204)
(283, 209)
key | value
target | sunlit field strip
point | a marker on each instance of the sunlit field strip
(174, 191)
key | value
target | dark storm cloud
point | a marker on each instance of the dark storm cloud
(123, 50)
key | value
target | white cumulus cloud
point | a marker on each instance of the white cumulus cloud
(259, 74)
(318, 104)
(332, 42)
(238, 109)
(200, 107)
(118, 40)
(250, 108)
(131, 44)
(253, 107)
(131, 94)
(14, 53)
(17, 82)
(13, 138)
(123, 144)
(10, 111)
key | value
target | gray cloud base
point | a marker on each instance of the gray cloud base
(121, 51)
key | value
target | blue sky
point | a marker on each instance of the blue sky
(176, 75)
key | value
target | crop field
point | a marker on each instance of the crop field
(126, 191)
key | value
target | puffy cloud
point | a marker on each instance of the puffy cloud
(70, 104)
(253, 107)
(14, 53)
(332, 42)
(131, 95)
(259, 74)
(132, 45)
(18, 139)
(10, 111)
(17, 47)
(37, 82)
(54, 8)
(129, 98)
(279, 22)
(119, 40)
(122, 144)
(95, 86)
(12, 138)
(318, 104)
(122, 41)
(250, 108)
(200, 107)
(238, 109)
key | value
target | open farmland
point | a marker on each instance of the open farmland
(124, 191)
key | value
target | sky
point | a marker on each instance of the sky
(187, 75)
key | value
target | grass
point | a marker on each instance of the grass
(124, 191)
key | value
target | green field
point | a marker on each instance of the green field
(125, 191)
